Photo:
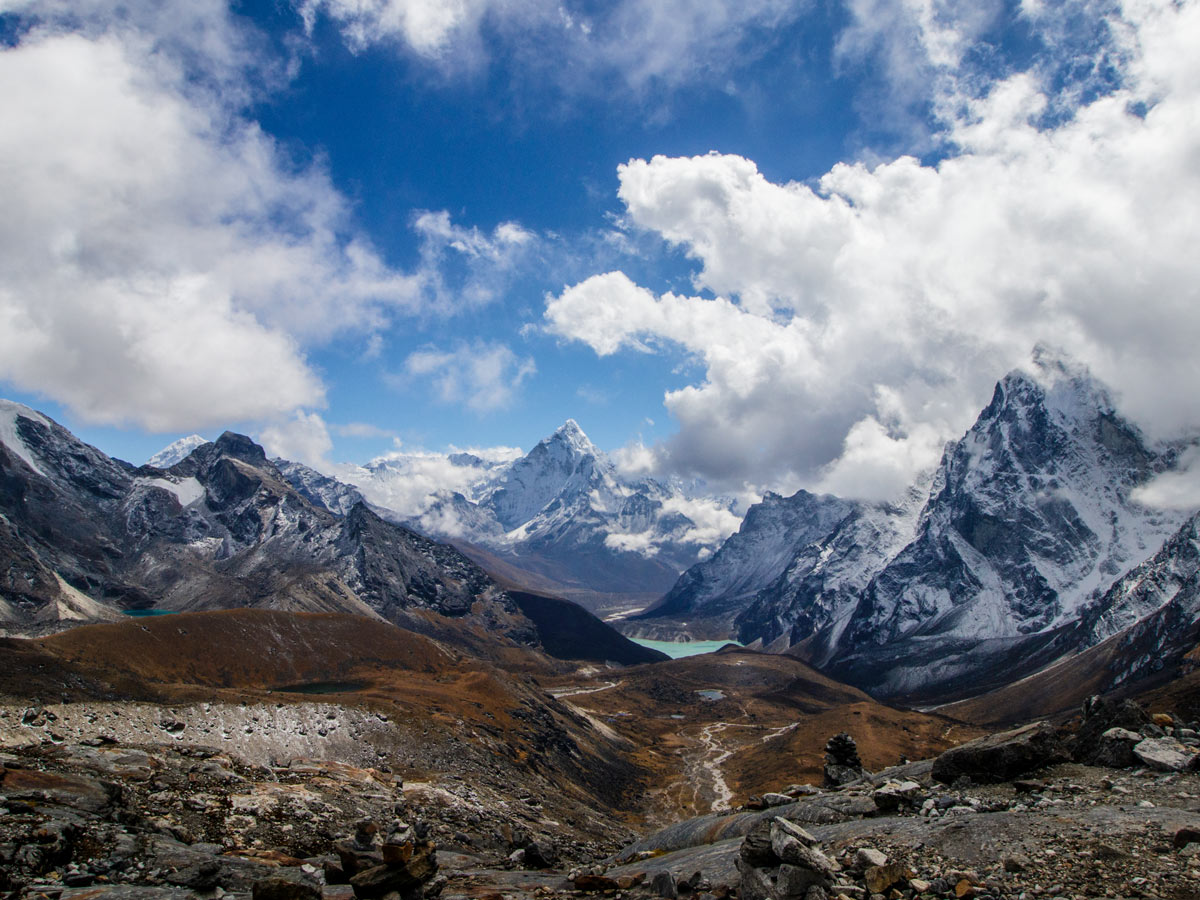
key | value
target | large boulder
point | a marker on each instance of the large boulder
(405, 869)
(1001, 757)
(1165, 754)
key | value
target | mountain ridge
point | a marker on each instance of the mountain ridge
(84, 537)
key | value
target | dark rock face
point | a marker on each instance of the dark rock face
(1001, 757)
(571, 632)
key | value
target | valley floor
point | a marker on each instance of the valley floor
(106, 819)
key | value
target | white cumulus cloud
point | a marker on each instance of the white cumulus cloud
(303, 438)
(848, 327)
(1176, 489)
(162, 262)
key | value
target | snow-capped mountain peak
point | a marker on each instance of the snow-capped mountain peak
(573, 436)
(176, 451)
(562, 511)
(565, 470)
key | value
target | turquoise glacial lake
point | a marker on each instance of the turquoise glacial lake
(680, 649)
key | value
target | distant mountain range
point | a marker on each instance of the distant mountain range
(1025, 547)
(1011, 555)
(84, 537)
(561, 517)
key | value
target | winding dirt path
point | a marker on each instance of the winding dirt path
(575, 692)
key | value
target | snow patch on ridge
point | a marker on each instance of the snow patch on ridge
(11, 437)
(187, 490)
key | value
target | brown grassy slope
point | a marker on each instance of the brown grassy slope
(883, 734)
(247, 648)
(1181, 695)
(1058, 692)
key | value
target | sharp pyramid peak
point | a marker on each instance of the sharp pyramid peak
(1058, 381)
(570, 433)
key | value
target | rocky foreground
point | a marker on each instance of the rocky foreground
(1112, 810)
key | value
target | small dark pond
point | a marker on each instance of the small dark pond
(322, 687)
(143, 613)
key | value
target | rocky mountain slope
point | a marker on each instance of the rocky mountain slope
(219, 529)
(821, 586)
(562, 513)
(974, 579)
(709, 596)
(1030, 522)
(1007, 815)
(213, 748)
(1142, 635)
(86, 538)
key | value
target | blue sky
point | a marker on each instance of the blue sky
(768, 243)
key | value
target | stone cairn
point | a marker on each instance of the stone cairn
(401, 867)
(842, 764)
